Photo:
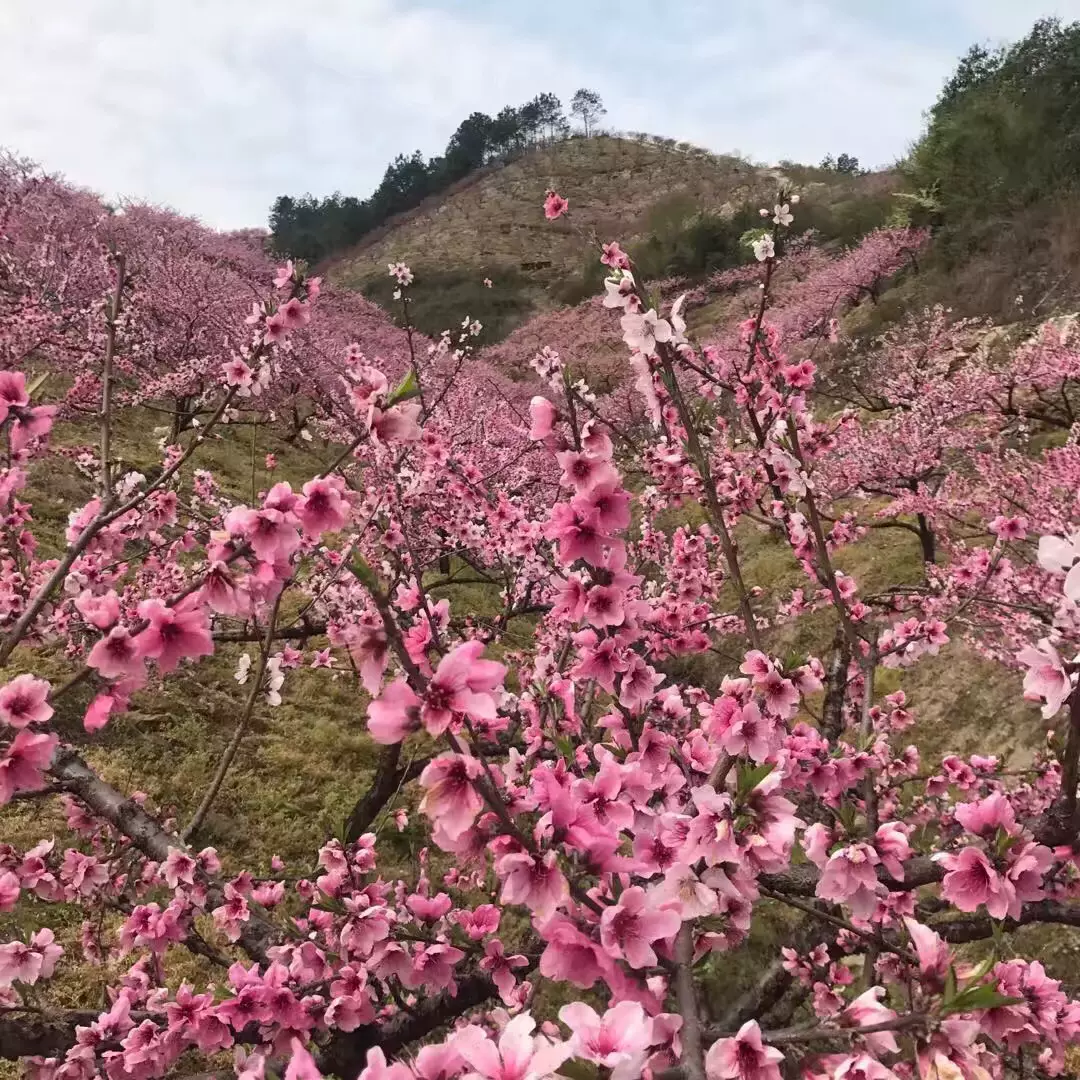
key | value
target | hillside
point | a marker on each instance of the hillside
(490, 221)
(691, 644)
(488, 225)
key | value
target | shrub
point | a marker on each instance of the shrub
(1004, 133)
(449, 295)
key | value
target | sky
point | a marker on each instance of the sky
(215, 107)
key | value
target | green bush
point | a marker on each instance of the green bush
(846, 220)
(588, 281)
(696, 245)
(684, 241)
(1004, 134)
(442, 298)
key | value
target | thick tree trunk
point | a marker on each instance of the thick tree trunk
(926, 540)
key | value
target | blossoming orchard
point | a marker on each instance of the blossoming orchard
(624, 775)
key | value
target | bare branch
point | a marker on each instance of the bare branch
(106, 379)
(346, 1054)
(389, 779)
(234, 743)
(130, 819)
(693, 1055)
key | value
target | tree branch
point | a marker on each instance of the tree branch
(106, 379)
(957, 931)
(802, 880)
(693, 1055)
(389, 778)
(346, 1054)
(127, 817)
(40, 1036)
(234, 743)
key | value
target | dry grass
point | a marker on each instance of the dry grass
(491, 225)
(497, 220)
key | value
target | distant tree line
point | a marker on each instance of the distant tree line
(842, 163)
(306, 227)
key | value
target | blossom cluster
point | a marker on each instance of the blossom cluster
(616, 774)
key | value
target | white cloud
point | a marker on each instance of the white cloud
(825, 76)
(1007, 19)
(808, 82)
(217, 106)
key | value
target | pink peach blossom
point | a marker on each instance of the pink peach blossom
(542, 414)
(24, 701)
(971, 880)
(517, 1055)
(324, 506)
(849, 878)
(554, 206)
(619, 1040)
(744, 1057)
(24, 762)
(450, 794)
(173, 634)
(629, 927)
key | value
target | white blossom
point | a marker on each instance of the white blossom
(275, 679)
(1060, 556)
(642, 332)
(678, 323)
(763, 248)
(619, 289)
(782, 214)
(128, 483)
(400, 271)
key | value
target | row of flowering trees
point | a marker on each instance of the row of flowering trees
(614, 809)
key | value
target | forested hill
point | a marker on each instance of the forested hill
(311, 228)
(993, 175)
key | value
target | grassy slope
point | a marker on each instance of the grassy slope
(493, 227)
(611, 184)
(301, 768)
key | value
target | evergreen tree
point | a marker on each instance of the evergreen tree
(305, 227)
(587, 105)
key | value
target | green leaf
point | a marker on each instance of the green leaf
(846, 814)
(999, 937)
(978, 997)
(751, 236)
(751, 776)
(364, 574)
(950, 986)
(1003, 841)
(983, 969)
(407, 388)
(578, 1070)
(565, 746)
